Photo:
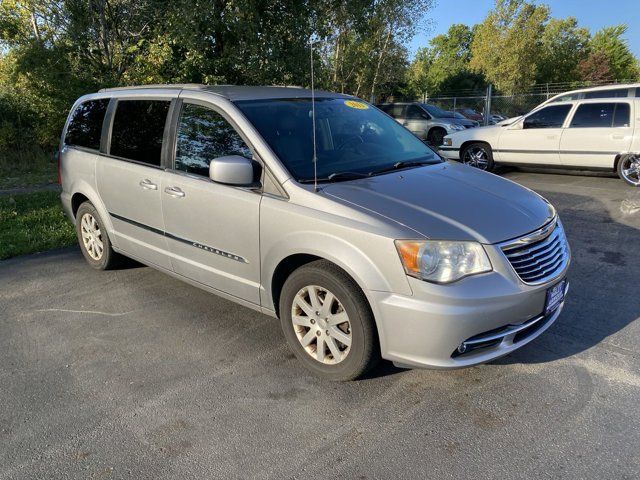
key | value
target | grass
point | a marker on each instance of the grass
(38, 169)
(33, 222)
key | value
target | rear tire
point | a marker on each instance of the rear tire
(478, 155)
(321, 306)
(629, 169)
(94, 240)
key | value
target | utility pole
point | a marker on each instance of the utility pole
(487, 105)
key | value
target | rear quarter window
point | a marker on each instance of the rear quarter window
(601, 115)
(85, 126)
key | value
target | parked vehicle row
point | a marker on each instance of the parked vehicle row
(327, 214)
(595, 128)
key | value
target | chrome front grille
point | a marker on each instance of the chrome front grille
(540, 256)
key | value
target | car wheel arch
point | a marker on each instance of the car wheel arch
(291, 263)
(466, 143)
(434, 128)
(83, 193)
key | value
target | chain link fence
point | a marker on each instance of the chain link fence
(499, 107)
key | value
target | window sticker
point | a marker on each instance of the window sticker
(356, 105)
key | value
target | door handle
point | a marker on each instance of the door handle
(174, 192)
(617, 136)
(148, 184)
(552, 137)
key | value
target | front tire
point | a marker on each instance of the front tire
(436, 137)
(478, 155)
(328, 323)
(94, 240)
(629, 169)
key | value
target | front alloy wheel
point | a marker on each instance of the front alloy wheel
(328, 322)
(629, 169)
(321, 324)
(478, 155)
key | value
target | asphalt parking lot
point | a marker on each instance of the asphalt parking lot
(132, 374)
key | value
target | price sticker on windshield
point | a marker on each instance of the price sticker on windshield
(356, 105)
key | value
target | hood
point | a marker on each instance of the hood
(459, 121)
(449, 202)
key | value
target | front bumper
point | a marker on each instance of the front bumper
(450, 153)
(425, 330)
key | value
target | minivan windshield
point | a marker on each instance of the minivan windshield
(353, 138)
(437, 112)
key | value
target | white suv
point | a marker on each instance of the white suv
(587, 129)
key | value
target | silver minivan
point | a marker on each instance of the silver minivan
(428, 122)
(321, 211)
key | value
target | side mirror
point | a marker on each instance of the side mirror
(519, 125)
(232, 170)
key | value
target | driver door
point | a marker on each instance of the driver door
(417, 120)
(536, 138)
(212, 229)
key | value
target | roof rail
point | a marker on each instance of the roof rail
(177, 86)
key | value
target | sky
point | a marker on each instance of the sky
(593, 14)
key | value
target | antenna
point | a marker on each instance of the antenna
(313, 123)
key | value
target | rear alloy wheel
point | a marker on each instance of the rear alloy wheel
(629, 169)
(94, 240)
(478, 155)
(327, 322)
(91, 236)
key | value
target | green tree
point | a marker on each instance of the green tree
(418, 81)
(564, 45)
(451, 54)
(621, 62)
(444, 66)
(363, 42)
(507, 45)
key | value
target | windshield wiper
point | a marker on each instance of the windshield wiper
(404, 164)
(337, 177)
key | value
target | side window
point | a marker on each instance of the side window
(85, 127)
(548, 117)
(566, 98)
(203, 134)
(614, 93)
(415, 113)
(601, 115)
(397, 111)
(138, 129)
(622, 115)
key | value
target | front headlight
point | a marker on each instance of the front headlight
(456, 127)
(441, 261)
(447, 142)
